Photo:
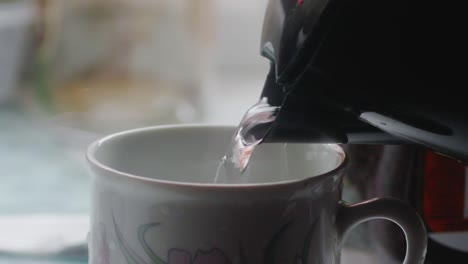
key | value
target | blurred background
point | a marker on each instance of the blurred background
(74, 70)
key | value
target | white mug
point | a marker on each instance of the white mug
(154, 202)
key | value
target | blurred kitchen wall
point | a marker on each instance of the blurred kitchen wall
(238, 34)
(109, 65)
(114, 64)
(16, 20)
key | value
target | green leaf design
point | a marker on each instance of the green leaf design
(141, 237)
(130, 255)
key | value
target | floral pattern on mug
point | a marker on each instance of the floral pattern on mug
(212, 256)
(175, 255)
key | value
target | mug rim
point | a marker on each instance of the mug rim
(96, 164)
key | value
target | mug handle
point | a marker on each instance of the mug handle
(391, 209)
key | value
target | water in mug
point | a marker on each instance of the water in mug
(251, 131)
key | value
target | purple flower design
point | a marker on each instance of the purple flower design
(174, 256)
(212, 256)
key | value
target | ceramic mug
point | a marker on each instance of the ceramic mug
(154, 202)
